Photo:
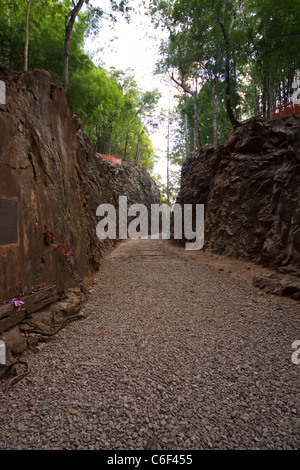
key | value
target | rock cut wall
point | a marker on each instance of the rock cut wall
(250, 188)
(52, 178)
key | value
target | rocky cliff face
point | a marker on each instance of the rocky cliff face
(250, 188)
(51, 183)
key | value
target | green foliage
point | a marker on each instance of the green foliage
(274, 33)
(260, 39)
(172, 188)
(243, 55)
(230, 60)
(46, 37)
(96, 99)
(116, 115)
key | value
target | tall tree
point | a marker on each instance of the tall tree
(273, 29)
(46, 33)
(194, 94)
(26, 36)
(69, 24)
(228, 54)
(93, 12)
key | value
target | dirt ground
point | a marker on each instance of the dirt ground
(239, 269)
(175, 350)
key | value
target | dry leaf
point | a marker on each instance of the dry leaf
(204, 421)
(73, 411)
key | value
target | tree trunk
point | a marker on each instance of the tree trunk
(186, 136)
(26, 36)
(168, 162)
(194, 95)
(264, 94)
(269, 97)
(98, 140)
(126, 144)
(256, 106)
(229, 110)
(65, 80)
(137, 153)
(69, 24)
(215, 114)
(196, 121)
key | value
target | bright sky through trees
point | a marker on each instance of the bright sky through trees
(230, 60)
(135, 46)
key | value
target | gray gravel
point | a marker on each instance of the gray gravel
(169, 348)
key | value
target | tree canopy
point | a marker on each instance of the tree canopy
(229, 60)
(244, 53)
(116, 114)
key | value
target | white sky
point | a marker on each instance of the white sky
(135, 46)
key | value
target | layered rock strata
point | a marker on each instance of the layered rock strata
(51, 183)
(250, 188)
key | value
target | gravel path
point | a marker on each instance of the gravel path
(169, 348)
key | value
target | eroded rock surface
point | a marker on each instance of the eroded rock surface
(250, 188)
(51, 169)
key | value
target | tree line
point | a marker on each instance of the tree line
(229, 59)
(51, 35)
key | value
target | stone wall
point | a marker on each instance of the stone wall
(250, 188)
(50, 173)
